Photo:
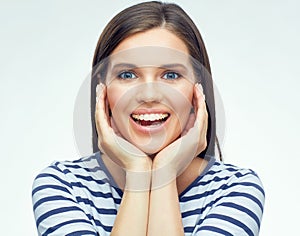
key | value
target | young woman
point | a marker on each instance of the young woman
(153, 171)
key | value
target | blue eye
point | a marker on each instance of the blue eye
(127, 75)
(171, 75)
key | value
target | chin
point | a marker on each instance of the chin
(151, 150)
(154, 146)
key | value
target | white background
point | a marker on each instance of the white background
(46, 53)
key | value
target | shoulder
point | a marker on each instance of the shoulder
(230, 176)
(236, 199)
(65, 172)
(221, 179)
(68, 189)
(232, 182)
(83, 177)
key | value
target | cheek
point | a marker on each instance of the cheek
(182, 104)
(120, 102)
(182, 109)
(116, 99)
(117, 105)
(113, 96)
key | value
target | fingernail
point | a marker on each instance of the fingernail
(99, 86)
(199, 86)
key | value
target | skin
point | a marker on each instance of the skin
(160, 168)
(150, 91)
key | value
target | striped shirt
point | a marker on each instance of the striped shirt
(80, 198)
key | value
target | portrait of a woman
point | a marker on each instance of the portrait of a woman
(156, 167)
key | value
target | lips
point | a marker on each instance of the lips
(150, 119)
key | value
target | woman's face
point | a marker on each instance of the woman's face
(150, 89)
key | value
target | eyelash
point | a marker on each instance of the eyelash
(121, 75)
(132, 74)
(177, 75)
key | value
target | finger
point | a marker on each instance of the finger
(200, 105)
(201, 116)
(100, 112)
(107, 112)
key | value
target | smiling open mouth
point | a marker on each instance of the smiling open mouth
(150, 119)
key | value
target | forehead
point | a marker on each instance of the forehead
(157, 37)
(150, 56)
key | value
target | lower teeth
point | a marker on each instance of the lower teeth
(150, 123)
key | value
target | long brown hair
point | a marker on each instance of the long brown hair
(149, 15)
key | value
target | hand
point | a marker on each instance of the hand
(112, 144)
(173, 159)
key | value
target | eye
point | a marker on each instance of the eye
(171, 75)
(127, 75)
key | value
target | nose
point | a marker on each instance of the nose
(149, 92)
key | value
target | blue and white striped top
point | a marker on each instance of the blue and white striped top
(80, 198)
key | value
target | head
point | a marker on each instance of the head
(138, 22)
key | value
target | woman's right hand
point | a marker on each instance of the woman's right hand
(119, 150)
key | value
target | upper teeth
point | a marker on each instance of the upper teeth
(149, 117)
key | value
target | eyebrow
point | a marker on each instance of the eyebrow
(123, 65)
(132, 66)
(174, 65)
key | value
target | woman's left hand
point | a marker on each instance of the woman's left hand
(173, 159)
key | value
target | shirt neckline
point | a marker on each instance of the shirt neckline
(111, 179)
(211, 162)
